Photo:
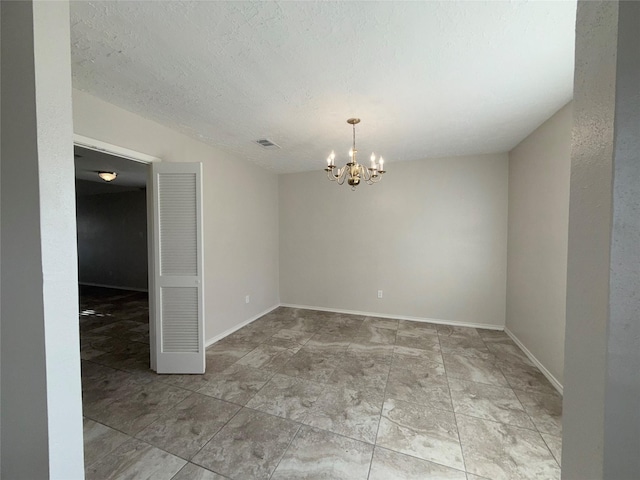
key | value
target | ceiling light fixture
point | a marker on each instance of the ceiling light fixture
(107, 176)
(353, 172)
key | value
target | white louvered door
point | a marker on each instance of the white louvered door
(177, 313)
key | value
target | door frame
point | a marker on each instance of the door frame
(135, 156)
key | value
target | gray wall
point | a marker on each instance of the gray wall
(41, 405)
(112, 238)
(602, 351)
(622, 407)
(432, 235)
(539, 170)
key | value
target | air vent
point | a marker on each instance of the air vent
(267, 143)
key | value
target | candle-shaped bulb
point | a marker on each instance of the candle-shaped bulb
(351, 152)
(329, 160)
(373, 161)
(332, 156)
(381, 163)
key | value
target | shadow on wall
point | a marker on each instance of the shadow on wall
(112, 236)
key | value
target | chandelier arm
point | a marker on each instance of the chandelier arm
(342, 175)
(365, 173)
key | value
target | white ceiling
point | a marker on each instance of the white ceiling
(428, 79)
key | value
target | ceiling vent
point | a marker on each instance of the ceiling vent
(267, 143)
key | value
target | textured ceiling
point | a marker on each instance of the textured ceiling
(428, 79)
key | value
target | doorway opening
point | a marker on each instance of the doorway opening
(112, 260)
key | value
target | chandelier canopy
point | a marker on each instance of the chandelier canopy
(353, 172)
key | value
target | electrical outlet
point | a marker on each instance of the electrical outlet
(247, 299)
(379, 293)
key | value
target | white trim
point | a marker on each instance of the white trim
(554, 381)
(226, 333)
(398, 317)
(100, 146)
(115, 287)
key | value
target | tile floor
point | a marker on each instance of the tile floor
(303, 394)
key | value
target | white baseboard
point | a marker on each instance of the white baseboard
(228, 332)
(115, 287)
(554, 381)
(397, 317)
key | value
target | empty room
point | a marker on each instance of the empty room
(320, 240)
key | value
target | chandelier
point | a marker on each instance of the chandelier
(353, 172)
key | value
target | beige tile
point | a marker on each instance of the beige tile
(249, 446)
(313, 365)
(372, 350)
(489, 402)
(287, 397)
(267, 357)
(555, 445)
(348, 412)
(419, 339)
(361, 371)
(184, 429)
(526, 377)
(421, 432)
(423, 386)
(509, 353)
(325, 343)
(316, 454)
(132, 411)
(337, 368)
(304, 324)
(495, 336)
(341, 326)
(474, 370)
(289, 338)
(135, 459)
(465, 346)
(99, 440)
(406, 357)
(377, 322)
(389, 465)
(545, 411)
(417, 327)
(455, 331)
(376, 334)
(237, 384)
(194, 472)
(504, 452)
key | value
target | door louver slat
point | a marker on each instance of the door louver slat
(179, 319)
(177, 208)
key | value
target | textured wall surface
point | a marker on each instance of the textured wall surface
(432, 235)
(589, 240)
(41, 405)
(622, 412)
(240, 210)
(112, 239)
(539, 169)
